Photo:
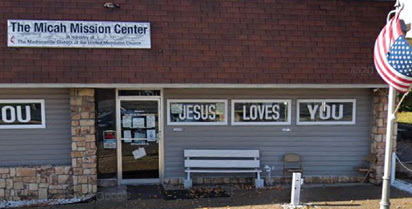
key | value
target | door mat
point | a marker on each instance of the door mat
(144, 192)
(195, 193)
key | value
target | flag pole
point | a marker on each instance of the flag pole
(391, 116)
(385, 203)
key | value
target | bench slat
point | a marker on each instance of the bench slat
(221, 153)
(222, 163)
(223, 171)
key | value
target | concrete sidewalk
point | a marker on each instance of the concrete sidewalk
(313, 196)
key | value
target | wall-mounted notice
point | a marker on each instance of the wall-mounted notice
(127, 121)
(261, 112)
(22, 114)
(151, 121)
(138, 122)
(139, 135)
(127, 134)
(109, 139)
(78, 34)
(326, 112)
(151, 135)
(139, 153)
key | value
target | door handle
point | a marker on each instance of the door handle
(159, 135)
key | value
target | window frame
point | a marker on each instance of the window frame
(236, 123)
(171, 123)
(25, 101)
(353, 122)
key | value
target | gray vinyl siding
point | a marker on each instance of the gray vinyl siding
(327, 150)
(51, 145)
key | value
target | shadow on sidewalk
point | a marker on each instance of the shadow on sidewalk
(347, 193)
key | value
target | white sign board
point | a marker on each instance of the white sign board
(78, 34)
(261, 112)
(326, 112)
(22, 114)
(196, 112)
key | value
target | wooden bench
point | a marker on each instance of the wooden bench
(221, 161)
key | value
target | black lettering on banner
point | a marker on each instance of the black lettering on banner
(16, 26)
(80, 28)
(50, 28)
(119, 29)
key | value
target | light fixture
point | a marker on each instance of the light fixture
(111, 5)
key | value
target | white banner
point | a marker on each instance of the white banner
(78, 34)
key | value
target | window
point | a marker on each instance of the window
(326, 111)
(261, 112)
(22, 114)
(196, 112)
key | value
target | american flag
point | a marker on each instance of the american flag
(393, 56)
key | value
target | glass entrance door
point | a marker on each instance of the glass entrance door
(139, 135)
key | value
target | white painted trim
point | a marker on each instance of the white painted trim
(161, 138)
(196, 101)
(289, 115)
(353, 122)
(25, 101)
(190, 85)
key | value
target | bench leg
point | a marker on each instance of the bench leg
(259, 183)
(188, 183)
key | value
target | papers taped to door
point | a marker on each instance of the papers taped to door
(139, 153)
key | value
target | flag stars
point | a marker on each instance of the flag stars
(399, 57)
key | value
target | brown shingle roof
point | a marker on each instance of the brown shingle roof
(231, 41)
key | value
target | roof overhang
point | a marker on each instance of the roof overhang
(158, 85)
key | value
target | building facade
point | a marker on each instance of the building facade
(93, 96)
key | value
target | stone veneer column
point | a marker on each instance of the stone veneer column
(379, 120)
(84, 160)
